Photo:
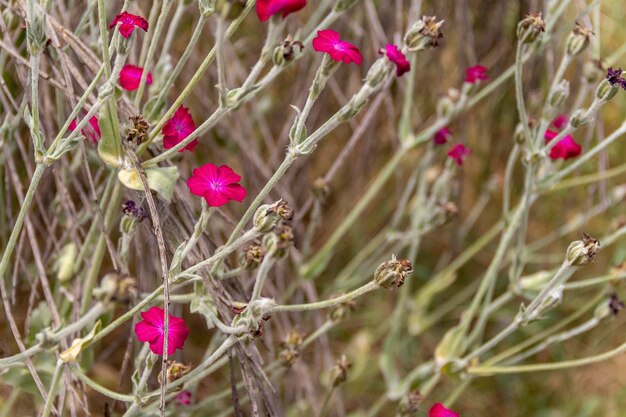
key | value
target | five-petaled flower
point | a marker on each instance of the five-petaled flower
(339, 50)
(566, 148)
(218, 185)
(152, 330)
(91, 131)
(475, 74)
(442, 136)
(395, 55)
(459, 152)
(438, 410)
(129, 22)
(179, 127)
(268, 8)
(130, 76)
(615, 77)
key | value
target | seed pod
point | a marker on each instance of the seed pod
(287, 51)
(578, 39)
(529, 28)
(424, 34)
(392, 273)
(581, 252)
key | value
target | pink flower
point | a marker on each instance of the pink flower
(566, 148)
(328, 41)
(397, 57)
(458, 153)
(438, 410)
(178, 128)
(130, 77)
(267, 8)
(152, 330)
(475, 74)
(183, 398)
(560, 121)
(91, 131)
(129, 22)
(218, 185)
(442, 136)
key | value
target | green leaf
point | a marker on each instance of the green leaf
(78, 345)
(110, 143)
(160, 179)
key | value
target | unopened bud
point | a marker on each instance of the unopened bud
(606, 90)
(446, 105)
(35, 30)
(424, 34)
(529, 28)
(339, 372)
(560, 94)
(581, 252)
(378, 72)
(578, 39)
(287, 51)
(393, 273)
(580, 118)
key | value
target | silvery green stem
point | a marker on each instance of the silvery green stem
(198, 229)
(559, 278)
(104, 39)
(519, 95)
(96, 311)
(264, 268)
(97, 387)
(370, 286)
(221, 70)
(54, 386)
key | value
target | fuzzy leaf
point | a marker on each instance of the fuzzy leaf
(110, 143)
(77, 346)
(160, 179)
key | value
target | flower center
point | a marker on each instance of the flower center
(339, 46)
(216, 185)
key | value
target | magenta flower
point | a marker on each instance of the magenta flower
(442, 136)
(130, 77)
(459, 153)
(395, 55)
(218, 185)
(183, 398)
(178, 128)
(475, 74)
(329, 41)
(152, 330)
(438, 410)
(560, 121)
(566, 148)
(129, 22)
(268, 8)
(91, 131)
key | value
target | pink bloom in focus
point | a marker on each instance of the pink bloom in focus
(566, 148)
(218, 185)
(152, 330)
(560, 121)
(475, 74)
(178, 128)
(458, 153)
(183, 398)
(395, 55)
(442, 136)
(130, 77)
(91, 131)
(438, 410)
(129, 22)
(329, 41)
(268, 8)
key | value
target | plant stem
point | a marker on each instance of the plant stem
(54, 386)
(370, 286)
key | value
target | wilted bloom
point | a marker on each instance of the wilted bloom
(218, 185)
(183, 398)
(578, 39)
(529, 28)
(438, 410)
(130, 76)
(152, 330)
(129, 22)
(339, 50)
(393, 273)
(267, 8)
(442, 136)
(475, 74)
(424, 34)
(395, 55)
(560, 121)
(615, 77)
(581, 252)
(459, 153)
(91, 131)
(566, 148)
(178, 128)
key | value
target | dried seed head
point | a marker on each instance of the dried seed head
(291, 348)
(339, 372)
(287, 51)
(133, 215)
(393, 273)
(137, 133)
(581, 252)
(252, 256)
(278, 241)
(529, 28)
(578, 39)
(410, 404)
(175, 370)
(424, 34)
(269, 215)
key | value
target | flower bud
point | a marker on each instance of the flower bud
(35, 30)
(424, 34)
(606, 90)
(252, 257)
(378, 72)
(339, 372)
(287, 51)
(593, 71)
(529, 28)
(392, 273)
(278, 241)
(207, 7)
(560, 94)
(581, 252)
(578, 39)
(343, 5)
(269, 215)
(580, 118)
(446, 105)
